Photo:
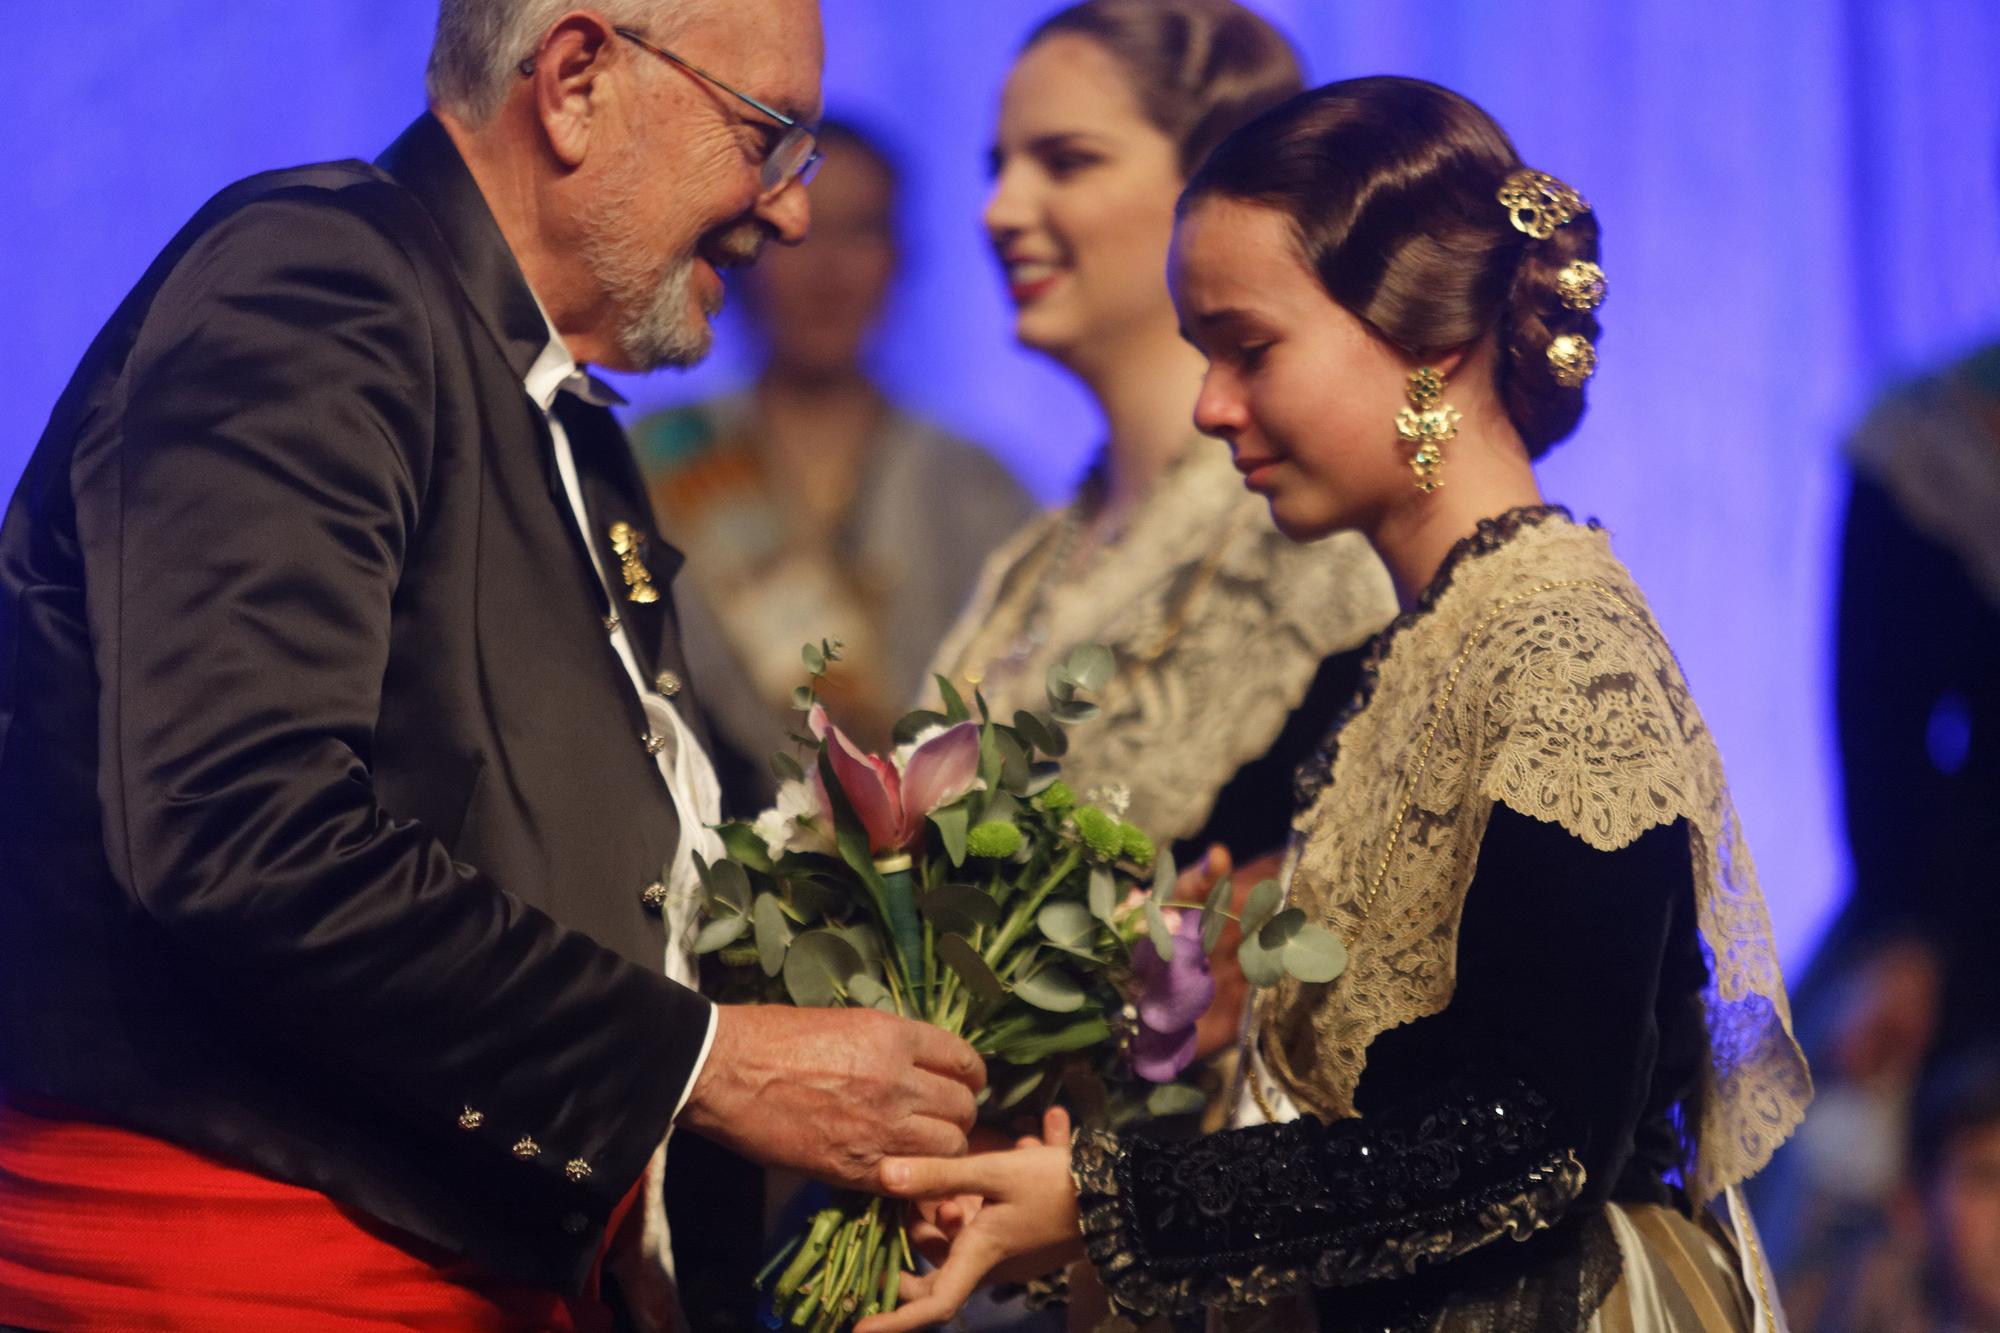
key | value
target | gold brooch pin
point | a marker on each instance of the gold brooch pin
(629, 543)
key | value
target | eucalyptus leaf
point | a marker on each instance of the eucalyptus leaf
(959, 909)
(1264, 902)
(959, 955)
(720, 933)
(1170, 1099)
(1067, 923)
(912, 725)
(1281, 929)
(1002, 805)
(1090, 665)
(866, 943)
(1045, 737)
(787, 769)
(1261, 967)
(812, 898)
(1013, 763)
(817, 968)
(1158, 931)
(1041, 777)
(1018, 1093)
(814, 657)
(1213, 922)
(774, 933)
(745, 844)
(1060, 684)
(1072, 712)
(1103, 894)
(732, 885)
(954, 702)
(1166, 877)
(1315, 954)
(951, 822)
(802, 698)
(1052, 988)
(867, 992)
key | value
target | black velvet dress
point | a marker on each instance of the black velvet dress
(1523, 1037)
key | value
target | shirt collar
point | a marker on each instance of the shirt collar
(555, 371)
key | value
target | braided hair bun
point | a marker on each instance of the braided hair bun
(1394, 188)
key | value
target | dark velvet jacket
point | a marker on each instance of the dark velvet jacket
(326, 814)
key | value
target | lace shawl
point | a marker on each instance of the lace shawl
(1218, 624)
(1532, 674)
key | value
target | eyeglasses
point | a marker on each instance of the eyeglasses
(795, 157)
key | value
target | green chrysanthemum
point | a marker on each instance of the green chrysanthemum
(1137, 847)
(1058, 799)
(996, 839)
(1100, 831)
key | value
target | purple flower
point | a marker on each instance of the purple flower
(1171, 999)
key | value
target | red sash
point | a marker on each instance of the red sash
(101, 1227)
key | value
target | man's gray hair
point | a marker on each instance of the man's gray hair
(480, 44)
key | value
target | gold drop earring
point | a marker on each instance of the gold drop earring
(1426, 424)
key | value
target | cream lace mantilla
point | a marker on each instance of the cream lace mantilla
(1535, 677)
(1217, 622)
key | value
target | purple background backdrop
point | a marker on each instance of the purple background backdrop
(1798, 198)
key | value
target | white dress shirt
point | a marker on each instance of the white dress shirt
(684, 766)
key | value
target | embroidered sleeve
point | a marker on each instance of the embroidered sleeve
(1241, 1217)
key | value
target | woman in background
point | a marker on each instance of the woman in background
(1234, 647)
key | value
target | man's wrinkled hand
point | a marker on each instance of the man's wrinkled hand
(830, 1092)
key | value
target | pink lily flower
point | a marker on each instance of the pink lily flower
(891, 802)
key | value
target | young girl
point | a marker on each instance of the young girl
(1561, 1039)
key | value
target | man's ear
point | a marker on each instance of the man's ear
(570, 83)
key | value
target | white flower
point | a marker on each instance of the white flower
(796, 823)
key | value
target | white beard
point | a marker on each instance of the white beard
(657, 323)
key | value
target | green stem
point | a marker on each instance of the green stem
(784, 1253)
(1018, 923)
(809, 1254)
(930, 1006)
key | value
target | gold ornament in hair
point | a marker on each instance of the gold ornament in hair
(1580, 285)
(1572, 360)
(1426, 424)
(1537, 203)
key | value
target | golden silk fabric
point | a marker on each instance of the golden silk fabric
(1534, 675)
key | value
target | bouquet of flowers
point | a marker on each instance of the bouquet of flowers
(961, 882)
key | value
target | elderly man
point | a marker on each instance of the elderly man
(349, 791)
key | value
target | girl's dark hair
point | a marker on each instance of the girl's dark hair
(1200, 68)
(1390, 187)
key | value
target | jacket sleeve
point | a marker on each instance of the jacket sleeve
(244, 531)
(1511, 1112)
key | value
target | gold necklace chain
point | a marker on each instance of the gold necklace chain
(1438, 708)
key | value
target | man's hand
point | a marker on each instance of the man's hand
(830, 1092)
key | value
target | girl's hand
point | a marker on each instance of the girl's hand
(1024, 1226)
